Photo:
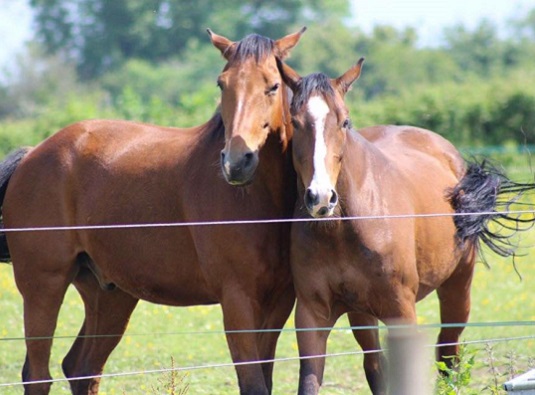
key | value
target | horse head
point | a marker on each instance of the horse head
(254, 102)
(321, 123)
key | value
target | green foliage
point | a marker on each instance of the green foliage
(152, 61)
(332, 59)
(474, 113)
(393, 63)
(100, 35)
(38, 81)
(480, 51)
(169, 81)
(193, 337)
(455, 380)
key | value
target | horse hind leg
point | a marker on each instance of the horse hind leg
(454, 301)
(107, 313)
(43, 292)
(374, 361)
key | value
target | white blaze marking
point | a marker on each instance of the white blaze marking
(318, 109)
(237, 115)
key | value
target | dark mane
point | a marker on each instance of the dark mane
(254, 45)
(312, 83)
(216, 127)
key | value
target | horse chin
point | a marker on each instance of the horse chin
(238, 180)
(322, 212)
(240, 183)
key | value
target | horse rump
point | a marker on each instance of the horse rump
(483, 201)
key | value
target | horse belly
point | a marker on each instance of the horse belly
(438, 253)
(157, 265)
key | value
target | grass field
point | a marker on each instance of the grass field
(193, 337)
(160, 337)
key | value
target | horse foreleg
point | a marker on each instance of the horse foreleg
(312, 334)
(106, 318)
(374, 360)
(276, 313)
(241, 316)
(454, 300)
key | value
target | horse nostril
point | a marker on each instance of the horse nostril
(334, 198)
(322, 211)
(222, 157)
(311, 198)
(248, 159)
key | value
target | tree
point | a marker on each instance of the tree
(38, 81)
(479, 51)
(99, 35)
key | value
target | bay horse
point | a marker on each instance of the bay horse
(377, 269)
(100, 172)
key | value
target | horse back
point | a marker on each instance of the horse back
(417, 145)
(85, 158)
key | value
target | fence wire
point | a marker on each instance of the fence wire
(274, 360)
(221, 332)
(494, 324)
(261, 221)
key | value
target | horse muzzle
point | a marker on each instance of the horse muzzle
(320, 204)
(239, 170)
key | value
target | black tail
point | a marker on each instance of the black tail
(7, 168)
(486, 189)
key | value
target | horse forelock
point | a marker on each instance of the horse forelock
(253, 45)
(317, 83)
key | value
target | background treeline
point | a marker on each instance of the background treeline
(152, 61)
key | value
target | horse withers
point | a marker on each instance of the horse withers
(377, 269)
(103, 172)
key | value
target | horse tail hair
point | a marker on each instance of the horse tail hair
(485, 196)
(7, 168)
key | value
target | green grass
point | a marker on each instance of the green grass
(192, 337)
(160, 337)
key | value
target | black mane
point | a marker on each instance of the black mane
(254, 45)
(312, 83)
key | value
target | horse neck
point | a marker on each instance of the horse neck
(275, 173)
(357, 181)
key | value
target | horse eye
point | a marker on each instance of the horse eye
(219, 84)
(347, 124)
(273, 89)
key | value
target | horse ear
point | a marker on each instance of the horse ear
(344, 82)
(285, 44)
(221, 43)
(289, 75)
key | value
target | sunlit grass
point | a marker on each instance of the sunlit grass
(193, 337)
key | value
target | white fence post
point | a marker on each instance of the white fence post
(408, 365)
